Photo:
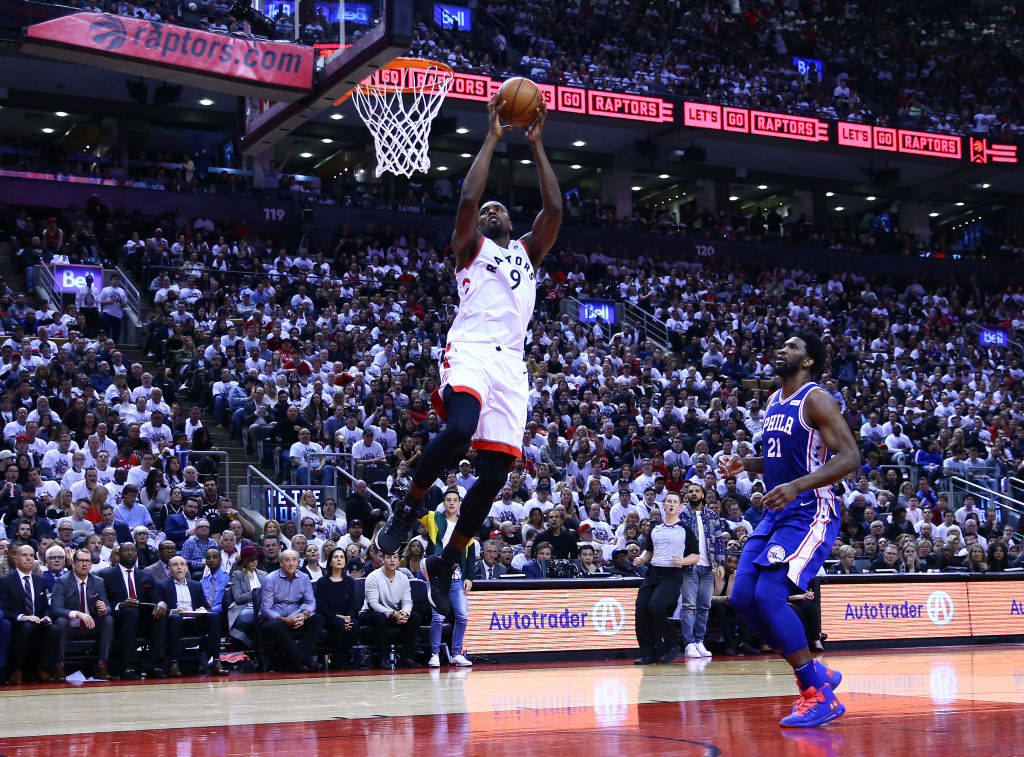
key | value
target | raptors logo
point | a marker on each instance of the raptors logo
(108, 32)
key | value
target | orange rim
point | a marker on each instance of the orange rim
(398, 64)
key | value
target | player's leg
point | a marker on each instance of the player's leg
(463, 411)
(492, 469)
(744, 589)
(818, 704)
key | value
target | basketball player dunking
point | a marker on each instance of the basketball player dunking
(484, 386)
(807, 447)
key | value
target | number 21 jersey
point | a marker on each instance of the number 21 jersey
(497, 292)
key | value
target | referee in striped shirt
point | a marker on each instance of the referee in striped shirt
(673, 548)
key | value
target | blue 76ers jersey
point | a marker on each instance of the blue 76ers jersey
(792, 448)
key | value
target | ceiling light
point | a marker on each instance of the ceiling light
(933, 215)
(575, 166)
(985, 186)
(663, 176)
(47, 130)
(840, 208)
(525, 162)
(336, 116)
(465, 155)
(305, 155)
(579, 143)
(636, 189)
(762, 186)
(830, 194)
(870, 198)
(61, 114)
(206, 101)
(462, 130)
(959, 204)
(442, 168)
(733, 198)
(326, 140)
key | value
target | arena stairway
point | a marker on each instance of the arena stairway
(233, 472)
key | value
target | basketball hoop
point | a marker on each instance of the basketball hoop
(398, 103)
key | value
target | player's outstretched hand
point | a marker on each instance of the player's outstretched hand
(780, 496)
(533, 131)
(496, 127)
(730, 465)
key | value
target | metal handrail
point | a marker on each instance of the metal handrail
(1011, 343)
(227, 460)
(653, 327)
(384, 503)
(1015, 484)
(1006, 502)
(134, 300)
(250, 469)
(44, 277)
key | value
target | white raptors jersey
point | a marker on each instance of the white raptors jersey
(497, 291)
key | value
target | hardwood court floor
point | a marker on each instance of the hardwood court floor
(934, 701)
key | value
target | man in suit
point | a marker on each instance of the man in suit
(177, 599)
(126, 585)
(489, 568)
(158, 572)
(180, 526)
(537, 567)
(79, 602)
(25, 604)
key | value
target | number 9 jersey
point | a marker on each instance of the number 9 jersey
(484, 354)
(497, 292)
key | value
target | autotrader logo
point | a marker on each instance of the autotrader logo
(608, 617)
(940, 608)
(108, 32)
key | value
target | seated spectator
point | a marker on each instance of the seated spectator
(335, 601)
(246, 578)
(487, 568)
(388, 605)
(288, 604)
(183, 608)
(34, 639)
(537, 567)
(79, 601)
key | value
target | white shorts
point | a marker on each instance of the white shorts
(497, 378)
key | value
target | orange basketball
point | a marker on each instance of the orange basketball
(521, 97)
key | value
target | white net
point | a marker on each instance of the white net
(398, 105)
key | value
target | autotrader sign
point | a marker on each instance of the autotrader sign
(510, 622)
(875, 611)
(126, 43)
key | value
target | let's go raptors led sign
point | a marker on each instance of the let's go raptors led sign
(759, 123)
(861, 136)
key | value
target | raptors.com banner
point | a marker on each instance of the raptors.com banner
(957, 610)
(539, 620)
(273, 65)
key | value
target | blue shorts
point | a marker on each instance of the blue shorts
(800, 536)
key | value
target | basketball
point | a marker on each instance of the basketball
(521, 96)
